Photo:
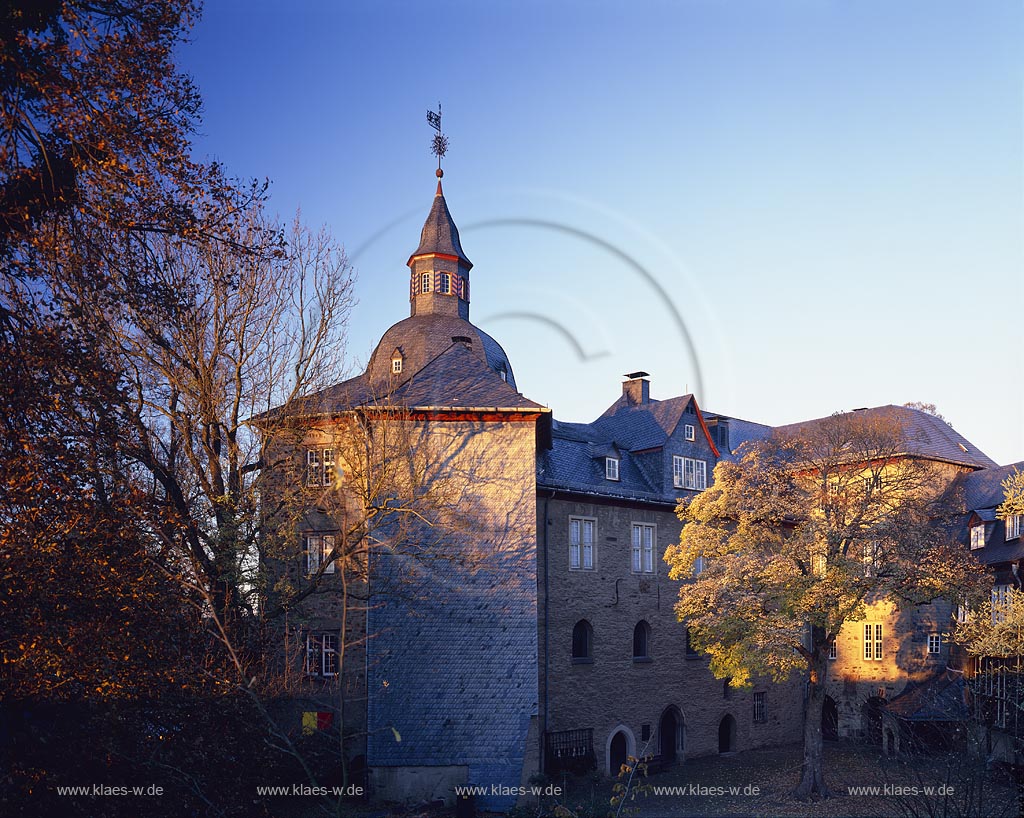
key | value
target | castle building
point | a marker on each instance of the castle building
(513, 613)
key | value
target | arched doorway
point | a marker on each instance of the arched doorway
(617, 752)
(830, 720)
(670, 733)
(727, 735)
(872, 716)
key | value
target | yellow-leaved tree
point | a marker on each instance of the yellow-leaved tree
(797, 537)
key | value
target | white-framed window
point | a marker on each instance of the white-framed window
(424, 282)
(873, 641)
(833, 652)
(396, 365)
(688, 473)
(699, 565)
(934, 644)
(1014, 526)
(760, 707)
(611, 468)
(318, 547)
(322, 654)
(329, 466)
(689, 432)
(1002, 599)
(872, 557)
(581, 543)
(320, 465)
(977, 536)
(312, 467)
(444, 283)
(643, 548)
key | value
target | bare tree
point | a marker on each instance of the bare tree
(240, 326)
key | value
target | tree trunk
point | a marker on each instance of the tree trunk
(812, 777)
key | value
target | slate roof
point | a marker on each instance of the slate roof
(980, 492)
(439, 234)
(575, 462)
(926, 435)
(984, 489)
(456, 378)
(421, 338)
(643, 426)
(940, 698)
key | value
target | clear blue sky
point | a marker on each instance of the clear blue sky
(790, 208)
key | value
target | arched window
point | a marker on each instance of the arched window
(582, 641)
(424, 282)
(444, 284)
(641, 640)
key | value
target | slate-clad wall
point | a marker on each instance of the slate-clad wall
(452, 640)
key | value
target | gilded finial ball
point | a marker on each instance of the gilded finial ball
(439, 173)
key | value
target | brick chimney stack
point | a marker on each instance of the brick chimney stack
(637, 389)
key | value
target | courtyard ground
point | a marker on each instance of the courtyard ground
(759, 783)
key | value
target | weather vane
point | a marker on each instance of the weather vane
(439, 146)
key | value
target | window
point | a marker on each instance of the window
(691, 651)
(320, 467)
(444, 283)
(322, 654)
(581, 543)
(1014, 526)
(872, 556)
(1002, 598)
(698, 566)
(318, 547)
(688, 473)
(873, 641)
(424, 282)
(832, 652)
(760, 707)
(396, 365)
(312, 467)
(611, 468)
(978, 536)
(643, 548)
(582, 642)
(934, 644)
(641, 641)
(689, 432)
(819, 564)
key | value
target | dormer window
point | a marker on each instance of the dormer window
(689, 432)
(396, 366)
(611, 468)
(977, 536)
(424, 282)
(444, 283)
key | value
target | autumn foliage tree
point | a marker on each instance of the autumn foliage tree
(798, 536)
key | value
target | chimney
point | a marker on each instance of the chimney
(637, 389)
